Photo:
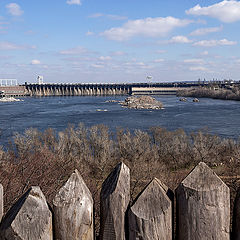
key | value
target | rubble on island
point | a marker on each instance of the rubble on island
(142, 102)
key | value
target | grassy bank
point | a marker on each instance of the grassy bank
(204, 92)
(48, 158)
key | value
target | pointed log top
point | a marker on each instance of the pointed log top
(152, 201)
(167, 190)
(36, 192)
(74, 187)
(28, 218)
(120, 173)
(33, 194)
(73, 210)
(202, 178)
(114, 200)
(163, 186)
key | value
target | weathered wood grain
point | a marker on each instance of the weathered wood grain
(1, 202)
(150, 217)
(114, 200)
(73, 210)
(203, 206)
(29, 218)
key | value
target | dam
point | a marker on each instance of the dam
(96, 89)
(105, 89)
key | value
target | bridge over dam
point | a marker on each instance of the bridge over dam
(105, 89)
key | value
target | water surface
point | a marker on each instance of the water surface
(219, 116)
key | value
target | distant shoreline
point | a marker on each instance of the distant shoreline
(221, 94)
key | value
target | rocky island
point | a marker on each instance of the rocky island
(142, 102)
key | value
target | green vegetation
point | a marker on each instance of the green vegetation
(47, 158)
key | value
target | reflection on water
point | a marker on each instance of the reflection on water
(220, 117)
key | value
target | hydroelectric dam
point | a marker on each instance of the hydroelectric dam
(100, 89)
(105, 89)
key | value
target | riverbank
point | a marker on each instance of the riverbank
(224, 94)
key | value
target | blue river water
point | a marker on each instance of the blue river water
(220, 117)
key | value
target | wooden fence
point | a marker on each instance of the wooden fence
(202, 210)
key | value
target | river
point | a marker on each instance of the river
(219, 116)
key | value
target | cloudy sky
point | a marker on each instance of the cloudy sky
(109, 41)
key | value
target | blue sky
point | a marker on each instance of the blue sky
(109, 41)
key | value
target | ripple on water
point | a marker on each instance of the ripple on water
(219, 116)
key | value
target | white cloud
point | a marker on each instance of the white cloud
(14, 9)
(96, 15)
(35, 62)
(204, 53)
(159, 60)
(198, 68)
(161, 51)
(179, 39)
(3, 25)
(110, 16)
(118, 53)
(13, 46)
(76, 2)
(225, 11)
(30, 32)
(140, 64)
(4, 57)
(97, 65)
(204, 31)
(116, 17)
(194, 61)
(89, 33)
(134, 64)
(74, 51)
(148, 27)
(213, 43)
(104, 58)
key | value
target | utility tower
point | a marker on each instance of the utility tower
(40, 79)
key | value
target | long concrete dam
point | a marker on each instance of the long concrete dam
(77, 89)
(104, 89)
(54, 89)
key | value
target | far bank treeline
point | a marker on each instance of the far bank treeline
(213, 91)
(47, 159)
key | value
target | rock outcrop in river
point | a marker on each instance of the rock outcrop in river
(142, 102)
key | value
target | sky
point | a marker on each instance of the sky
(105, 41)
